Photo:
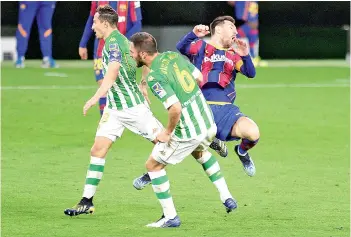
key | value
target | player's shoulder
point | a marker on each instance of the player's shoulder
(115, 41)
(198, 43)
(197, 47)
(155, 75)
(172, 57)
(113, 38)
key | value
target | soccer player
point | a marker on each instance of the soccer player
(125, 108)
(43, 11)
(129, 22)
(246, 12)
(190, 128)
(220, 64)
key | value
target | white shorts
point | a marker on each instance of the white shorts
(138, 119)
(176, 150)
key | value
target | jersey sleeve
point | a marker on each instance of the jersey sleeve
(114, 51)
(162, 90)
(245, 66)
(190, 45)
(194, 71)
(135, 18)
(135, 11)
(87, 30)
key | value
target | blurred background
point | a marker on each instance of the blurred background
(288, 30)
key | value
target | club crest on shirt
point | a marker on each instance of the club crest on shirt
(123, 7)
(113, 47)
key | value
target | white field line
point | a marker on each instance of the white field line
(55, 74)
(271, 63)
(240, 86)
(53, 87)
(312, 85)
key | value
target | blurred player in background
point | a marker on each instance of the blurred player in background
(190, 128)
(129, 15)
(125, 104)
(246, 15)
(43, 11)
(220, 64)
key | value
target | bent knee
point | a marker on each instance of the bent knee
(253, 133)
(152, 165)
(248, 129)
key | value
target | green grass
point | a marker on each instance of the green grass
(301, 187)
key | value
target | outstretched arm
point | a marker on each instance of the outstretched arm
(191, 43)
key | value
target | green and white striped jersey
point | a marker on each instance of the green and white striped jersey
(171, 79)
(125, 92)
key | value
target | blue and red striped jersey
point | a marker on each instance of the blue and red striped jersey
(129, 18)
(246, 10)
(219, 67)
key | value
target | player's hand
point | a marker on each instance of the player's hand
(163, 136)
(241, 47)
(201, 30)
(90, 103)
(83, 53)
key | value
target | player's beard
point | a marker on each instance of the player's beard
(227, 43)
(139, 61)
(140, 64)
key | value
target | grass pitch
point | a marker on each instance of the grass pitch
(301, 187)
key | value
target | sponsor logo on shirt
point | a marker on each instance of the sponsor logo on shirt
(218, 58)
(121, 19)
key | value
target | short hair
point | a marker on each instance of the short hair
(220, 20)
(106, 13)
(144, 42)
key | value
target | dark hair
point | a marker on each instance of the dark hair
(220, 20)
(144, 42)
(106, 13)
